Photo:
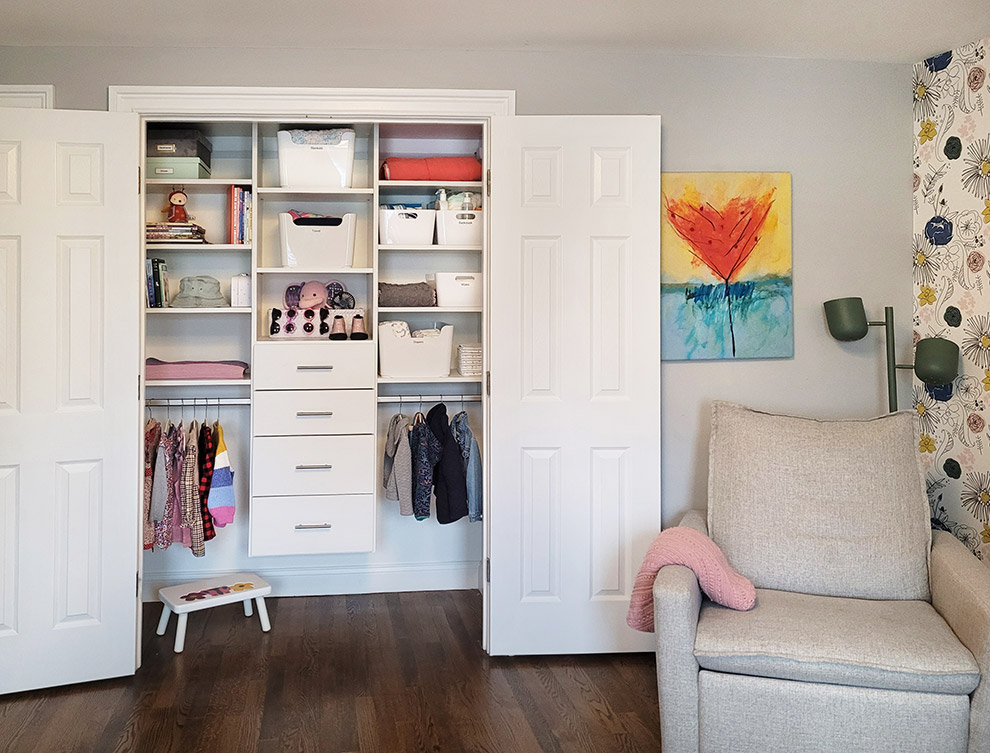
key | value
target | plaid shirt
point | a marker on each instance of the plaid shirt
(207, 456)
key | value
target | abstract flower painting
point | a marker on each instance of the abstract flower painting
(726, 266)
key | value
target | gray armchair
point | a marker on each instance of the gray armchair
(869, 632)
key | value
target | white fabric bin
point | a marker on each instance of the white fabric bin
(314, 246)
(459, 227)
(408, 227)
(316, 158)
(407, 356)
(458, 289)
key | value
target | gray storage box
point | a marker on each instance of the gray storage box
(179, 142)
(182, 168)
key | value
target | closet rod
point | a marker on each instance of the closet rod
(196, 402)
(429, 398)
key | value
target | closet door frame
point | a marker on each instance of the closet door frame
(328, 104)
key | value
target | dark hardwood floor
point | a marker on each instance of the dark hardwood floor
(383, 673)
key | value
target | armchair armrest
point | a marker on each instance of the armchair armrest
(676, 604)
(960, 586)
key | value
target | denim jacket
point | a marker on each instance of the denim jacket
(472, 463)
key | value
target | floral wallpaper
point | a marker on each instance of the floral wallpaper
(952, 283)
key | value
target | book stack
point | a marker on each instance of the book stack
(239, 214)
(469, 361)
(174, 232)
(157, 283)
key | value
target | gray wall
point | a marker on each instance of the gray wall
(840, 129)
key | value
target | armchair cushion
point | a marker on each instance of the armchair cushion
(888, 645)
(835, 508)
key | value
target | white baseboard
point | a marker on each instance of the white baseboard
(355, 579)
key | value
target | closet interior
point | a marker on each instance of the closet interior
(261, 283)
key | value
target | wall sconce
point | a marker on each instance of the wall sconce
(936, 360)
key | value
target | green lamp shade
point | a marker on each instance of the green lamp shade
(936, 360)
(846, 319)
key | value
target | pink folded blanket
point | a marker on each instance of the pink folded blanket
(158, 369)
(431, 168)
(685, 546)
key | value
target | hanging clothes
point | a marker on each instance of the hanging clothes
(192, 510)
(397, 476)
(159, 487)
(163, 523)
(221, 501)
(207, 456)
(471, 461)
(426, 450)
(152, 434)
(449, 485)
(180, 533)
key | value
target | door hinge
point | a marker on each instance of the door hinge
(139, 386)
(139, 178)
(488, 569)
(488, 183)
(488, 383)
(137, 584)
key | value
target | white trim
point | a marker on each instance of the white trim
(35, 96)
(257, 102)
(346, 579)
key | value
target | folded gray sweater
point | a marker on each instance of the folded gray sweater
(409, 294)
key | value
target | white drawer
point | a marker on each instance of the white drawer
(312, 525)
(324, 365)
(284, 466)
(280, 413)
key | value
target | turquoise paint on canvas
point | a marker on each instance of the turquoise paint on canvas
(695, 320)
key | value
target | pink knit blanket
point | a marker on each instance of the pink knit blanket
(686, 546)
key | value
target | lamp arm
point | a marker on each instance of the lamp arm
(888, 331)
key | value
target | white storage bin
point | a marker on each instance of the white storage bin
(408, 227)
(406, 356)
(458, 289)
(312, 158)
(459, 227)
(317, 246)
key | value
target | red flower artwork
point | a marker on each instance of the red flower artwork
(721, 238)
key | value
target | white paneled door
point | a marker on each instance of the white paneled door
(69, 410)
(575, 379)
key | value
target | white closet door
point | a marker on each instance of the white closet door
(69, 411)
(575, 379)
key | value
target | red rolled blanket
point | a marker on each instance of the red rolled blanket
(431, 168)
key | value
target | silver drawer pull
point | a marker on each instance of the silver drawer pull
(311, 413)
(314, 368)
(312, 526)
(314, 467)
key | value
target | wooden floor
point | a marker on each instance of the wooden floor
(388, 673)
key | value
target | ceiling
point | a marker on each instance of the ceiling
(889, 31)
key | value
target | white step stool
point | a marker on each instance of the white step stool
(203, 594)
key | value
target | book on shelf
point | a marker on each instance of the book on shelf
(238, 215)
(159, 278)
(174, 232)
(149, 287)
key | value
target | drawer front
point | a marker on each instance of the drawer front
(287, 413)
(323, 365)
(285, 466)
(312, 525)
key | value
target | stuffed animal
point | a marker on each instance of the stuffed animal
(308, 295)
(176, 209)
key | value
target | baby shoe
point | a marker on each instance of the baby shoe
(338, 331)
(358, 331)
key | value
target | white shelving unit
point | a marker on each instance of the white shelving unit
(262, 430)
